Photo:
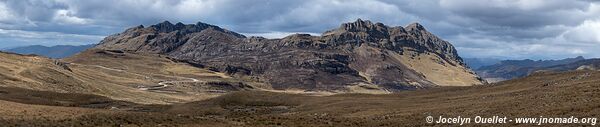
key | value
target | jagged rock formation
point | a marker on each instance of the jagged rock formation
(356, 56)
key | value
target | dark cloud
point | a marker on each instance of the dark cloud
(478, 28)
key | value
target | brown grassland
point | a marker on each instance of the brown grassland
(542, 94)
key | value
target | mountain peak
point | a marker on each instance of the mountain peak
(202, 24)
(359, 20)
(415, 26)
(361, 26)
(166, 22)
(163, 24)
(166, 27)
(179, 24)
(365, 27)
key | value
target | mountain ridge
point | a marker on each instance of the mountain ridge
(355, 55)
(57, 51)
(475, 63)
(510, 69)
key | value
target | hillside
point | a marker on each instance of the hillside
(58, 51)
(139, 78)
(357, 56)
(532, 96)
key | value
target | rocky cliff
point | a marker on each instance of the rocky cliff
(357, 56)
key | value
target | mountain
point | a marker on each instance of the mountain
(58, 51)
(587, 64)
(475, 63)
(357, 56)
(510, 69)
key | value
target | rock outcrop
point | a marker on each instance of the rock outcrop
(360, 53)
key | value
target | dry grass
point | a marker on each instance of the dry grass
(549, 94)
(114, 74)
(575, 93)
(437, 70)
(62, 104)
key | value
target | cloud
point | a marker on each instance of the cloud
(588, 32)
(319, 15)
(478, 28)
(548, 48)
(519, 13)
(66, 17)
(13, 38)
(5, 13)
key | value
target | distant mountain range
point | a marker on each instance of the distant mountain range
(510, 69)
(58, 51)
(475, 63)
(587, 64)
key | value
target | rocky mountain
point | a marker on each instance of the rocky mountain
(357, 56)
(510, 69)
(58, 51)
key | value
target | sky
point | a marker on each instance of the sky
(504, 29)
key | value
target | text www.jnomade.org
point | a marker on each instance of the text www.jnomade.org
(504, 120)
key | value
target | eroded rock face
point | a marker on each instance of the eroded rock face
(360, 52)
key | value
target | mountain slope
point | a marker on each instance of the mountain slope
(58, 51)
(139, 78)
(357, 56)
(533, 96)
(510, 69)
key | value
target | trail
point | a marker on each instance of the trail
(161, 84)
(118, 70)
(165, 84)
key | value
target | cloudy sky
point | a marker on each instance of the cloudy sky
(509, 29)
